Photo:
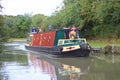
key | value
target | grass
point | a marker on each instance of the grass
(16, 39)
(104, 42)
(97, 45)
(93, 43)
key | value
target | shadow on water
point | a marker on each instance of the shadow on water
(16, 63)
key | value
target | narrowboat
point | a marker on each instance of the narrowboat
(63, 42)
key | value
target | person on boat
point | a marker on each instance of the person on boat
(39, 30)
(73, 34)
(49, 28)
(33, 30)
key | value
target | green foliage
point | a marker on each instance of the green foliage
(22, 26)
(3, 31)
(39, 20)
(95, 18)
(18, 26)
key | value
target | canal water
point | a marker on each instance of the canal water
(17, 63)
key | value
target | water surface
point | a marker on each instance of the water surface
(17, 63)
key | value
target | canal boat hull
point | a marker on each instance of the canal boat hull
(58, 51)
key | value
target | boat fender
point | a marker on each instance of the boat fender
(82, 45)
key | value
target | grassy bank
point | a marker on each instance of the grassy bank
(93, 43)
(16, 39)
(104, 42)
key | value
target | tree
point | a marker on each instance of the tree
(95, 18)
(3, 35)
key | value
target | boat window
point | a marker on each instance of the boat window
(66, 41)
(63, 42)
(60, 42)
(73, 41)
(81, 41)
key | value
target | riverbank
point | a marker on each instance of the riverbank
(100, 43)
(16, 39)
(104, 42)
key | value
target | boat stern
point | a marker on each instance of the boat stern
(78, 47)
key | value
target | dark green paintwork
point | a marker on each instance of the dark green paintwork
(60, 35)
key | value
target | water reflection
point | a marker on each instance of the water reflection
(105, 67)
(10, 62)
(58, 70)
(18, 64)
(16, 67)
(109, 58)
